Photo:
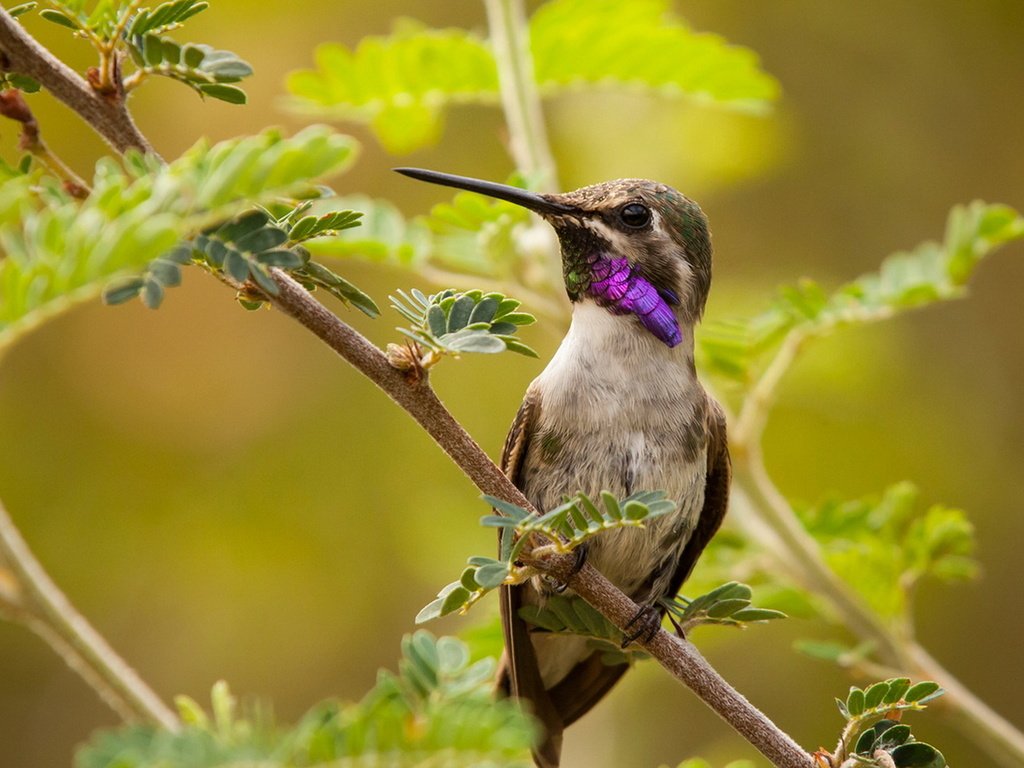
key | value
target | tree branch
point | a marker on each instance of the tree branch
(107, 115)
(47, 612)
(415, 395)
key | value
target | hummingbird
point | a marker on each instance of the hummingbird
(618, 408)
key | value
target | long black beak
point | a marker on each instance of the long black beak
(542, 204)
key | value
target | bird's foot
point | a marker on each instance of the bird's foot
(647, 622)
(580, 553)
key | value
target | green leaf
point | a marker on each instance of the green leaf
(491, 576)
(897, 687)
(328, 224)
(152, 294)
(884, 545)
(509, 509)
(400, 84)
(337, 286)
(201, 67)
(918, 755)
(59, 18)
(875, 694)
(397, 83)
(473, 341)
(758, 614)
(18, 10)
(228, 93)
(642, 44)
(458, 315)
(441, 323)
(723, 608)
(842, 708)
(484, 311)
(437, 688)
(893, 736)
(855, 702)
(124, 291)
(926, 689)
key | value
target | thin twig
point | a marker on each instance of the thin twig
(52, 617)
(14, 107)
(21, 53)
(528, 140)
(520, 101)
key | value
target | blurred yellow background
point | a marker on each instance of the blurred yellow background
(224, 498)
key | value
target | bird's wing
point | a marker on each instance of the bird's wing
(716, 495)
(519, 674)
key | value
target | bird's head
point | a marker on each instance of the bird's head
(633, 246)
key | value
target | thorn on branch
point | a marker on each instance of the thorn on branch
(407, 359)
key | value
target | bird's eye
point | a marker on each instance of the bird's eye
(635, 215)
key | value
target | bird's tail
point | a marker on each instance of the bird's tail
(519, 677)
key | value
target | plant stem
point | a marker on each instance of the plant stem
(45, 610)
(21, 53)
(798, 552)
(528, 139)
(753, 415)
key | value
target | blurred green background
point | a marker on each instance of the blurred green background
(224, 498)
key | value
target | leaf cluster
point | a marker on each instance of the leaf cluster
(453, 322)
(874, 729)
(401, 84)
(59, 249)
(470, 235)
(563, 529)
(245, 249)
(141, 32)
(574, 521)
(728, 604)
(569, 615)
(736, 350)
(436, 710)
(883, 546)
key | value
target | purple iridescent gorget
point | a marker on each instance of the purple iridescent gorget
(618, 287)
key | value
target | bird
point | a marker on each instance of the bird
(618, 408)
